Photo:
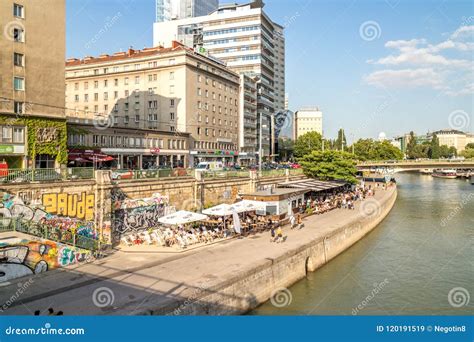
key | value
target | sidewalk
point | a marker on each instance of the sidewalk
(136, 281)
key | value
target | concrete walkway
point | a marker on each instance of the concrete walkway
(136, 283)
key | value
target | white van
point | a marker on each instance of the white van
(210, 166)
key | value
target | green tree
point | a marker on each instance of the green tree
(330, 165)
(411, 146)
(453, 152)
(470, 146)
(434, 152)
(444, 151)
(369, 149)
(467, 153)
(341, 142)
(305, 144)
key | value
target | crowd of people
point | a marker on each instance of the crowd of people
(208, 231)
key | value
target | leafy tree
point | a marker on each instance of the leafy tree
(305, 144)
(467, 153)
(444, 151)
(453, 152)
(434, 151)
(411, 146)
(470, 146)
(341, 141)
(369, 149)
(330, 165)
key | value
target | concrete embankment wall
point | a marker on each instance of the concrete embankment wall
(254, 286)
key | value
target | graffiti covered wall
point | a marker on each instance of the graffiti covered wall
(21, 257)
(79, 206)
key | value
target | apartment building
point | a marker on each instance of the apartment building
(162, 89)
(242, 36)
(167, 10)
(453, 138)
(308, 120)
(248, 142)
(32, 83)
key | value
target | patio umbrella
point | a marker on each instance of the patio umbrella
(219, 210)
(182, 217)
(247, 205)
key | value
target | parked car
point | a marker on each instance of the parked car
(122, 174)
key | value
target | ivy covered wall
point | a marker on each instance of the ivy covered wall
(55, 146)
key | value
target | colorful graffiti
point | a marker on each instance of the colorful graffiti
(70, 205)
(21, 257)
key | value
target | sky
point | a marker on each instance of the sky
(376, 66)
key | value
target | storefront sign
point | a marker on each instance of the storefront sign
(155, 150)
(6, 149)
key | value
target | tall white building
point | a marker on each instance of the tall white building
(243, 37)
(167, 10)
(308, 120)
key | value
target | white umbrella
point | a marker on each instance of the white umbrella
(247, 205)
(182, 217)
(219, 210)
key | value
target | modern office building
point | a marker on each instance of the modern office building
(32, 83)
(167, 10)
(308, 120)
(162, 89)
(243, 37)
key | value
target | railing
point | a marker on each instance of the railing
(45, 175)
(226, 174)
(296, 172)
(56, 234)
(414, 161)
(272, 173)
(151, 173)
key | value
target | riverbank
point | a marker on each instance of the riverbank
(228, 278)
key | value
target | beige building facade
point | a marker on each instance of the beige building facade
(308, 120)
(32, 83)
(172, 90)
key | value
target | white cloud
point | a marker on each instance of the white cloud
(424, 64)
(404, 78)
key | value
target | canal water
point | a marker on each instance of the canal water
(418, 261)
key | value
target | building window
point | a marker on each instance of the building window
(19, 83)
(172, 116)
(96, 84)
(19, 107)
(116, 82)
(106, 83)
(18, 11)
(172, 103)
(96, 71)
(171, 89)
(137, 118)
(172, 129)
(18, 59)
(86, 85)
(172, 61)
(96, 96)
(76, 98)
(18, 35)
(106, 96)
(137, 79)
(172, 75)
(126, 81)
(126, 119)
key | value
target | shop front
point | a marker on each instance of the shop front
(13, 156)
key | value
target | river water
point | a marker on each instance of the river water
(418, 261)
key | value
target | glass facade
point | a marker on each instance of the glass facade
(179, 9)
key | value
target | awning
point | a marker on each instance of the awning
(219, 210)
(313, 184)
(182, 217)
(88, 156)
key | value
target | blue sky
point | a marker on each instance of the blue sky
(372, 66)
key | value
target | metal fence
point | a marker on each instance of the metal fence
(226, 174)
(151, 173)
(45, 175)
(56, 234)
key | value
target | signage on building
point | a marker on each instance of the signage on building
(46, 134)
(155, 150)
(5, 149)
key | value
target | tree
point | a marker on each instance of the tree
(434, 151)
(341, 141)
(411, 146)
(469, 146)
(305, 144)
(453, 152)
(330, 165)
(368, 149)
(468, 153)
